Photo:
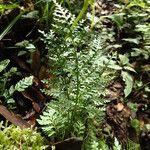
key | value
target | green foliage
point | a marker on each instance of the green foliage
(4, 7)
(12, 137)
(137, 18)
(117, 146)
(4, 64)
(139, 86)
(133, 107)
(135, 123)
(131, 20)
(128, 81)
(20, 87)
(122, 64)
(147, 127)
(79, 82)
(25, 47)
(24, 83)
(82, 12)
(6, 90)
(5, 78)
(132, 34)
(92, 141)
(118, 19)
(82, 63)
(132, 145)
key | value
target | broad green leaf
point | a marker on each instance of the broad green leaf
(123, 59)
(22, 53)
(4, 64)
(118, 19)
(142, 28)
(30, 46)
(135, 3)
(114, 66)
(136, 52)
(127, 78)
(22, 44)
(136, 41)
(25, 44)
(147, 89)
(116, 146)
(32, 14)
(129, 68)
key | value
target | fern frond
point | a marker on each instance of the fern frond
(62, 17)
(79, 83)
(24, 83)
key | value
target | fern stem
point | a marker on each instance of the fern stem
(73, 113)
(93, 16)
(77, 75)
(47, 15)
(85, 6)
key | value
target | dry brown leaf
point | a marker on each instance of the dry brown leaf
(35, 104)
(36, 62)
(119, 107)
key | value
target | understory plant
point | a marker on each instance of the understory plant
(6, 89)
(133, 36)
(78, 80)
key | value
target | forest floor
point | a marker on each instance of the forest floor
(30, 103)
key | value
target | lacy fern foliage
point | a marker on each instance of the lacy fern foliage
(79, 80)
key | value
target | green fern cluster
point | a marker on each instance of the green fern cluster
(5, 77)
(6, 90)
(79, 81)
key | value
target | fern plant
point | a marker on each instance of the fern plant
(4, 80)
(79, 80)
(6, 89)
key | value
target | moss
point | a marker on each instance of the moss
(12, 137)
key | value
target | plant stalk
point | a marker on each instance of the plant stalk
(85, 6)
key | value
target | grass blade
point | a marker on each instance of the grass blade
(8, 28)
